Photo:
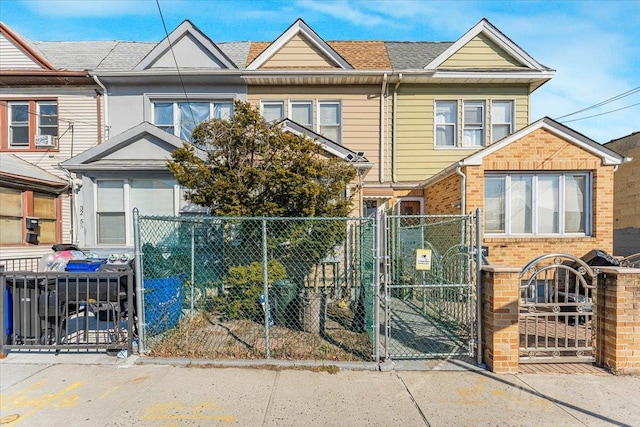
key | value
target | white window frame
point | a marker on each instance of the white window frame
(562, 176)
(11, 125)
(337, 125)
(128, 215)
(279, 103)
(453, 124)
(176, 99)
(39, 125)
(495, 123)
(293, 102)
(474, 126)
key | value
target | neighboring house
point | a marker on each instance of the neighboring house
(543, 189)
(49, 111)
(626, 199)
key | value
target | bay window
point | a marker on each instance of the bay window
(537, 204)
(180, 118)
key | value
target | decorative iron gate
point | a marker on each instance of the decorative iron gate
(557, 310)
(430, 306)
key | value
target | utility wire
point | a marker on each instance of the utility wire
(175, 61)
(35, 114)
(606, 101)
(601, 114)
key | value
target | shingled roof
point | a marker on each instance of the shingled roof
(414, 55)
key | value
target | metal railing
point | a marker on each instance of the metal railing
(64, 311)
(20, 264)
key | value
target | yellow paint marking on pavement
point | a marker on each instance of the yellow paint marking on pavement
(63, 399)
(109, 391)
(179, 412)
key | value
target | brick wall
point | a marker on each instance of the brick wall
(543, 151)
(444, 197)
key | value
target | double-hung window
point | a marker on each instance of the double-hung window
(473, 124)
(329, 118)
(537, 204)
(116, 198)
(446, 119)
(180, 118)
(273, 111)
(501, 119)
(301, 112)
(27, 119)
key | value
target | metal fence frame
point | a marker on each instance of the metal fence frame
(357, 266)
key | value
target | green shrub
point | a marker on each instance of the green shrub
(243, 286)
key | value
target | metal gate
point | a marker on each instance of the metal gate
(430, 307)
(557, 310)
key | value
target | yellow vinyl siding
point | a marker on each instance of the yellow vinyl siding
(416, 157)
(481, 52)
(299, 53)
(360, 108)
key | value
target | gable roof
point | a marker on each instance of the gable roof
(299, 27)
(24, 46)
(609, 157)
(328, 145)
(502, 41)
(156, 144)
(185, 30)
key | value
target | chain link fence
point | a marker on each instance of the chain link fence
(286, 288)
(430, 291)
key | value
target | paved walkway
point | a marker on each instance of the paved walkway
(94, 389)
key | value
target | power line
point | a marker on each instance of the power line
(606, 101)
(601, 114)
(35, 114)
(175, 61)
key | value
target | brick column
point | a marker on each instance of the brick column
(618, 320)
(500, 334)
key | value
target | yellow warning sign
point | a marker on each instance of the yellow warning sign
(423, 259)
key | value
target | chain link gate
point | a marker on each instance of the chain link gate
(430, 308)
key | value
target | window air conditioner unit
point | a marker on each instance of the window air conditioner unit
(46, 141)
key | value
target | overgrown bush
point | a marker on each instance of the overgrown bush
(243, 286)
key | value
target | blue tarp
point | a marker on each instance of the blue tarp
(163, 303)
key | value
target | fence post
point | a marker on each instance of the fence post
(478, 264)
(139, 281)
(193, 275)
(265, 277)
(376, 287)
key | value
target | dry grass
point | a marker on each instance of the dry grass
(207, 336)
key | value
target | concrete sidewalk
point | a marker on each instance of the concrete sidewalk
(95, 389)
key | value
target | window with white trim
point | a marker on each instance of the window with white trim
(116, 198)
(473, 124)
(273, 111)
(25, 119)
(301, 112)
(329, 120)
(537, 204)
(47, 118)
(446, 119)
(18, 124)
(180, 118)
(501, 119)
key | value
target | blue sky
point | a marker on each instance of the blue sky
(592, 45)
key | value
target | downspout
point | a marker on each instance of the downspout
(463, 190)
(382, 92)
(394, 155)
(105, 108)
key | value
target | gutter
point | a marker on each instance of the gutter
(382, 92)
(463, 190)
(394, 142)
(105, 108)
